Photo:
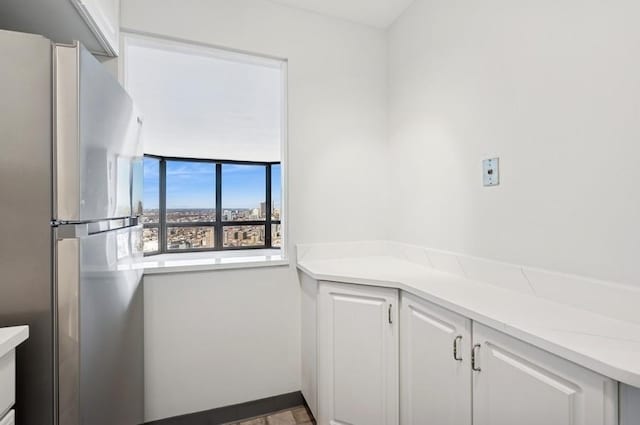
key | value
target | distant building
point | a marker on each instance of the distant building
(208, 239)
(263, 209)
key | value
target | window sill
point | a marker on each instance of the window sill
(218, 260)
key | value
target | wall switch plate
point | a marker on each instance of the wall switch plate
(491, 172)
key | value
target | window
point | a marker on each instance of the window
(210, 205)
(244, 192)
(214, 137)
(190, 205)
(151, 199)
(276, 205)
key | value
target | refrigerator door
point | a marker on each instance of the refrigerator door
(25, 213)
(97, 140)
(100, 325)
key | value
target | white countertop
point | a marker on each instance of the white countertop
(11, 337)
(603, 344)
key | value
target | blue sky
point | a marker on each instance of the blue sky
(276, 186)
(243, 186)
(151, 176)
(192, 185)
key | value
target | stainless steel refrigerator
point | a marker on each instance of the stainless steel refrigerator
(70, 242)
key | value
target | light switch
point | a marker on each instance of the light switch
(491, 172)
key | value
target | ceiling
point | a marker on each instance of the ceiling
(377, 13)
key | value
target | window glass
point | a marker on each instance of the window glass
(243, 192)
(191, 192)
(184, 238)
(190, 220)
(276, 192)
(150, 239)
(276, 235)
(243, 236)
(151, 191)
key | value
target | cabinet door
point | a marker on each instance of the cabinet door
(435, 365)
(520, 384)
(9, 418)
(357, 355)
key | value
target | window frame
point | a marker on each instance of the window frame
(218, 225)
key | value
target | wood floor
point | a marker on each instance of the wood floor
(294, 416)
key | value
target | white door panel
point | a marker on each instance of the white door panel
(435, 386)
(358, 355)
(9, 418)
(518, 383)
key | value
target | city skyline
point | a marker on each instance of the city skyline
(190, 197)
(200, 215)
(236, 236)
(191, 185)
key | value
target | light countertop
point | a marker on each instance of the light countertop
(603, 344)
(11, 337)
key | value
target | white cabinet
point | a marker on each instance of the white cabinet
(102, 18)
(7, 381)
(435, 364)
(520, 384)
(95, 23)
(366, 362)
(357, 355)
(10, 338)
(8, 419)
(629, 405)
(309, 349)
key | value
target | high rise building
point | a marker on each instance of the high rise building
(208, 240)
(263, 209)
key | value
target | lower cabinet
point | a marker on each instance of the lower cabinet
(7, 386)
(516, 383)
(357, 355)
(8, 419)
(435, 365)
(420, 364)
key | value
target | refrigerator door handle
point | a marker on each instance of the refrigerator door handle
(79, 230)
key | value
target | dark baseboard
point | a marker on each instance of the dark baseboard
(236, 412)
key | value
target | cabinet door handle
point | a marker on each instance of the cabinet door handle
(390, 320)
(474, 357)
(456, 341)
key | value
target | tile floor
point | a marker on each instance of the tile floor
(294, 416)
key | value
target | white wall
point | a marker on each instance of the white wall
(552, 88)
(218, 338)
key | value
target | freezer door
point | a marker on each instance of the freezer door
(97, 140)
(100, 328)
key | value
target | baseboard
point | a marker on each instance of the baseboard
(236, 412)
